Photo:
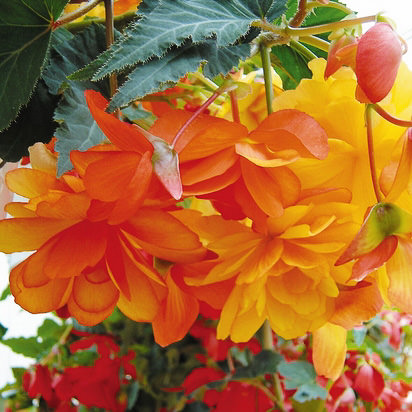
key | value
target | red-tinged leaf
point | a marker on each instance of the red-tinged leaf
(293, 129)
(378, 57)
(122, 134)
(374, 259)
(369, 383)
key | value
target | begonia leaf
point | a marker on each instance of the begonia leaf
(77, 129)
(160, 73)
(265, 361)
(297, 373)
(171, 23)
(25, 32)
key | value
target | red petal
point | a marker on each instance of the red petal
(377, 61)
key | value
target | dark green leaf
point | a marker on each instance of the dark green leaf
(33, 124)
(297, 373)
(290, 66)
(3, 331)
(171, 23)
(160, 73)
(77, 129)
(309, 391)
(25, 31)
(6, 292)
(265, 361)
(196, 407)
(322, 15)
(132, 395)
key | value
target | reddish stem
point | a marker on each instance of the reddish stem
(390, 118)
(371, 153)
(300, 15)
(235, 106)
(199, 111)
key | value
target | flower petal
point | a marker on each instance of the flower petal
(329, 350)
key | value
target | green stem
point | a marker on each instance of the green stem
(267, 75)
(309, 31)
(207, 82)
(371, 153)
(316, 42)
(395, 120)
(81, 11)
(267, 343)
(304, 51)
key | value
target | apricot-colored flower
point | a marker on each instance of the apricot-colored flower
(88, 264)
(119, 7)
(375, 57)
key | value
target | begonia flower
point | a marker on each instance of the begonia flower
(375, 57)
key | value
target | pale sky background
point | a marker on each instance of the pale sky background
(20, 323)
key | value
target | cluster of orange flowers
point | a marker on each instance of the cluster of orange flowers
(275, 203)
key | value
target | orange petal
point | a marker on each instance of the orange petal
(378, 57)
(23, 234)
(108, 178)
(122, 134)
(263, 189)
(145, 295)
(176, 315)
(49, 296)
(30, 182)
(209, 167)
(357, 304)
(293, 129)
(164, 236)
(93, 297)
(329, 350)
(398, 269)
(374, 259)
(72, 251)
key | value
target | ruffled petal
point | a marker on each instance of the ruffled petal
(329, 350)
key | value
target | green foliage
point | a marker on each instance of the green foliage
(6, 292)
(171, 23)
(301, 375)
(25, 51)
(77, 128)
(291, 66)
(161, 73)
(3, 331)
(265, 361)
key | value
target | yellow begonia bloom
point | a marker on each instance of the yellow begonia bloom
(333, 104)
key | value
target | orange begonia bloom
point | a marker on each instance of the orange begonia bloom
(89, 264)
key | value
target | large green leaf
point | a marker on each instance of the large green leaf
(25, 31)
(173, 22)
(264, 362)
(160, 73)
(77, 128)
(34, 123)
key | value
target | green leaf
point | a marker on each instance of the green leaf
(25, 31)
(290, 65)
(265, 361)
(50, 329)
(77, 130)
(297, 373)
(173, 22)
(33, 124)
(323, 15)
(30, 347)
(3, 331)
(160, 73)
(315, 405)
(6, 292)
(310, 391)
